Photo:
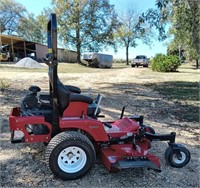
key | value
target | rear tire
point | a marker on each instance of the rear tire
(70, 155)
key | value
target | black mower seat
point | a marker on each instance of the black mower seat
(63, 96)
(66, 96)
(83, 98)
(73, 89)
(67, 93)
(79, 97)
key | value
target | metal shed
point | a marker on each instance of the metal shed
(19, 48)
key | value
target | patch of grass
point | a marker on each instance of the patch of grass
(4, 84)
(75, 68)
(186, 96)
(12, 68)
(63, 68)
(178, 90)
(120, 65)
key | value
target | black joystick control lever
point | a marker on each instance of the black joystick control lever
(108, 125)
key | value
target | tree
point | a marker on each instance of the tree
(184, 17)
(195, 22)
(131, 28)
(185, 28)
(34, 28)
(29, 29)
(41, 21)
(10, 14)
(85, 24)
(14, 19)
(174, 49)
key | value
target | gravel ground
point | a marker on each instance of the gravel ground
(22, 165)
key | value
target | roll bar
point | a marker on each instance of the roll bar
(52, 39)
(53, 63)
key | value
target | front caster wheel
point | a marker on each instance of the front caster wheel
(177, 157)
(70, 155)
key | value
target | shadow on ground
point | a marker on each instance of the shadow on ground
(185, 95)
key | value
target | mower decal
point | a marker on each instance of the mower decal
(93, 127)
(49, 50)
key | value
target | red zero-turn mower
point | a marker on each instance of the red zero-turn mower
(67, 121)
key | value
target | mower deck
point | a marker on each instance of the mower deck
(122, 156)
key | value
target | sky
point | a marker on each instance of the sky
(36, 6)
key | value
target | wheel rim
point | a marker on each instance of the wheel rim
(181, 159)
(72, 159)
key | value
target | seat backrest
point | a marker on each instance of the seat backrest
(62, 94)
(63, 97)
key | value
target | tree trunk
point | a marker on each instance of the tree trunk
(127, 63)
(197, 63)
(78, 45)
(194, 6)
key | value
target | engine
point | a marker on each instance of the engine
(32, 106)
(31, 100)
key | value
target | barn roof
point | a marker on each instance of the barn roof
(7, 40)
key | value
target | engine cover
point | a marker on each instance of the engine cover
(123, 127)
